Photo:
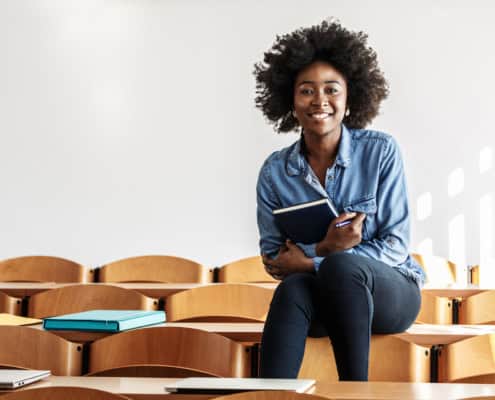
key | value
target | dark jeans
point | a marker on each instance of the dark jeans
(352, 297)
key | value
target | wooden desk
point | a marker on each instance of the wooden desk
(23, 289)
(420, 334)
(153, 388)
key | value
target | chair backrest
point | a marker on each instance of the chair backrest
(10, 305)
(478, 308)
(201, 352)
(160, 268)
(62, 393)
(78, 298)
(229, 302)
(249, 269)
(30, 348)
(474, 274)
(468, 361)
(271, 395)
(435, 310)
(391, 359)
(439, 271)
(43, 269)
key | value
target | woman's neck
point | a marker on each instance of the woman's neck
(321, 149)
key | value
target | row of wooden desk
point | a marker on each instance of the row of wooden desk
(157, 290)
(154, 388)
(420, 334)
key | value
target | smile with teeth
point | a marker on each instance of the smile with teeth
(320, 115)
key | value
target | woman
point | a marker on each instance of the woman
(359, 279)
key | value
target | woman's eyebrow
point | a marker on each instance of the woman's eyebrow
(313, 82)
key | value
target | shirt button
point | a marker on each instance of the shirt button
(330, 177)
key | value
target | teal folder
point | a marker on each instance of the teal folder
(104, 320)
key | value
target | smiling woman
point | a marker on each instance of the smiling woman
(359, 278)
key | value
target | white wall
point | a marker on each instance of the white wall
(129, 127)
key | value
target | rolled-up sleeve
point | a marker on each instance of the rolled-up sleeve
(270, 236)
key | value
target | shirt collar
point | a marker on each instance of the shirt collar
(296, 163)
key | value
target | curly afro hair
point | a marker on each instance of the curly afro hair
(346, 51)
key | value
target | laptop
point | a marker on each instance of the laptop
(233, 385)
(14, 378)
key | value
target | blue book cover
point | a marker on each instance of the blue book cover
(306, 223)
(104, 320)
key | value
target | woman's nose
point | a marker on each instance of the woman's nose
(320, 99)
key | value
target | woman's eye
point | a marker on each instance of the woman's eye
(306, 91)
(332, 90)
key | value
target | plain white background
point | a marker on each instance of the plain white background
(129, 127)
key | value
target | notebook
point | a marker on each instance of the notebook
(307, 223)
(104, 320)
(232, 385)
(14, 378)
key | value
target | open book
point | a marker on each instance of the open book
(306, 223)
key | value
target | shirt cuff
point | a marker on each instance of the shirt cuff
(316, 262)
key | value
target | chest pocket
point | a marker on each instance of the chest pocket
(366, 206)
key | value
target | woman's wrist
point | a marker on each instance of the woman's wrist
(321, 249)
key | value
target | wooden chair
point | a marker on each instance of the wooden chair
(435, 310)
(227, 302)
(391, 359)
(271, 395)
(10, 305)
(43, 269)
(439, 271)
(478, 308)
(62, 393)
(468, 361)
(166, 269)
(249, 269)
(29, 348)
(175, 351)
(77, 298)
(474, 274)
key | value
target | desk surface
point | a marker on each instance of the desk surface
(420, 334)
(153, 388)
(22, 289)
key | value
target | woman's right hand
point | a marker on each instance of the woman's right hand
(344, 237)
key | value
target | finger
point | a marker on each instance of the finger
(289, 244)
(266, 260)
(344, 217)
(360, 218)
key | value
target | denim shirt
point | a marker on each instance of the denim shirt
(366, 177)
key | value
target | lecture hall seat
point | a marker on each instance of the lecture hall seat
(168, 352)
(29, 348)
(10, 305)
(391, 359)
(229, 302)
(478, 308)
(468, 361)
(43, 269)
(61, 393)
(78, 298)
(271, 395)
(439, 272)
(155, 268)
(250, 269)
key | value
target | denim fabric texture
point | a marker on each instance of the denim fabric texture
(367, 177)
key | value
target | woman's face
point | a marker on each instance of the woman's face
(320, 98)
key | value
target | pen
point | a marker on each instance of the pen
(343, 223)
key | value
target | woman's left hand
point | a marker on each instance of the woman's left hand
(290, 259)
